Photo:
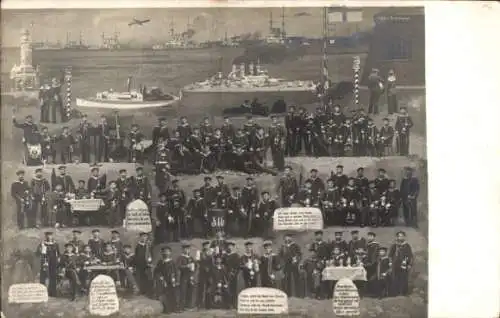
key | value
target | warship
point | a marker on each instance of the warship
(248, 82)
(129, 100)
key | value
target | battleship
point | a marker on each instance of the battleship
(246, 83)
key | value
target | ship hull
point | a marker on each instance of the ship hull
(124, 105)
(224, 99)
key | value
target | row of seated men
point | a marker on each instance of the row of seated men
(343, 201)
(319, 134)
(211, 278)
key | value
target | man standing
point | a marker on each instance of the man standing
(85, 133)
(40, 188)
(125, 188)
(20, 192)
(250, 266)
(68, 186)
(293, 131)
(376, 87)
(386, 133)
(30, 130)
(141, 186)
(143, 262)
(291, 255)
(403, 125)
(186, 266)
(250, 198)
(288, 187)
(339, 178)
(265, 213)
(372, 251)
(103, 140)
(49, 254)
(270, 266)
(402, 260)
(317, 185)
(66, 142)
(160, 132)
(409, 190)
(355, 243)
(227, 129)
(165, 274)
(205, 265)
(233, 268)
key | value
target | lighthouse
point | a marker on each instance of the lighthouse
(25, 76)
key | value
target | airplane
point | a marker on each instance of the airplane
(138, 22)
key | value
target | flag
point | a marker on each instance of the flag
(325, 73)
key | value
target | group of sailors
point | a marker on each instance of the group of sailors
(240, 211)
(51, 103)
(189, 149)
(212, 277)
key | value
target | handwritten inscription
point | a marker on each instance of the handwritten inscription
(138, 217)
(28, 293)
(260, 300)
(298, 219)
(103, 300)
(346, 298)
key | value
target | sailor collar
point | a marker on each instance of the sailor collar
(141, 243)
(39, 178)
(69, 253)
(108, 253)
(20, 181)
(166, 260)
(185, 255)
(96, 239)
(51, 242)
(372, 242)
(115, 240)
(269, 254)
(319, 242)
(95, 177)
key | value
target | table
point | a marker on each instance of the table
(85, 205)
(100, 267)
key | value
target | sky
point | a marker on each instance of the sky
(208, 23)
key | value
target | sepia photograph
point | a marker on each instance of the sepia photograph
(214, 162)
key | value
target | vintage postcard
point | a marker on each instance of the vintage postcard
(214, 160)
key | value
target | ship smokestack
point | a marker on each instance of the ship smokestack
(251, 68)
(129, 82)
(242, 69)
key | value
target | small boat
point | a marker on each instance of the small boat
(130, 99)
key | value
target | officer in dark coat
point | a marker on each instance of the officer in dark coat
(126, 188)
(250, 266)
(372, 252)
(339, 178)
(317, 185)
(288, 188)
(161, 131)
(402, 127)
(227, 129)
(103, 140)
(40, 187)
(263, 225)
(250, 198)
(381, 182)
(402, 260)
(386, 133)
(291, 255)
(96, 244)
(270, 267)
(233, 265)
(49, 254)
(186, 267)
(142, 186)
(320, 246)
(21, 193)
(355, 243)
(293, 133)
(409, 191)
(339, 242)
(205, 265)
(30, 130)
(166, 277)
(68, 186)
(376, 87)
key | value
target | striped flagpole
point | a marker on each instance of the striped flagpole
(325, 58)
(68, 79)
(356, 67)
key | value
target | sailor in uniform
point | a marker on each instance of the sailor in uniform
(376, 87)
(402, 128)
(103, 140)
(49, 253)
(136, 149)
(401, 256)
(165, 274)
(21, 192)
(288, 187)
(291, 255)
(44, 100)
(186, 265)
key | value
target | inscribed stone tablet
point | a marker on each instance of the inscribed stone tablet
(28, 293)
(346, 298)
(298, 219)
(262, 301)
(138, 217)
(103, 300)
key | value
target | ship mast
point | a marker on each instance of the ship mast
(172, 31)
(324, 65)
(283, 34)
